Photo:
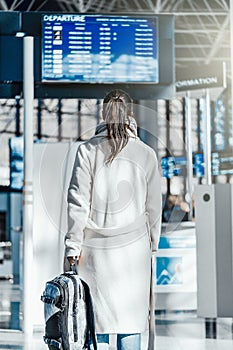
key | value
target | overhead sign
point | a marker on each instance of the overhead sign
(203, 77)
(100, 49)
(153, 78)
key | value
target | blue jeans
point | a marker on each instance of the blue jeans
(124, 341)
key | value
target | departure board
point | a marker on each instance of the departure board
(99, 49)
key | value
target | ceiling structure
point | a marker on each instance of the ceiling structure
(202, 27)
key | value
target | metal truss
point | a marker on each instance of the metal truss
(202, 27)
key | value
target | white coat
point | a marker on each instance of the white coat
(114, 214)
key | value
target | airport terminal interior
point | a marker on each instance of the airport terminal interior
(58, 59)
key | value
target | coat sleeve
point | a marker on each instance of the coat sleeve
(154, 202)
(79, 194)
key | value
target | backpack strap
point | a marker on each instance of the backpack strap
(64, 308)
(75, 325)
(90, 318)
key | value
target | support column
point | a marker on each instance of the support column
(59, 119)
(168, 141)
(231, 28)
(17, 115)
(28, 94)
(188, 122)
(198, 126)
(210, 323)
(184, 139)
(79, 120)
(207, 139)
(39, 119)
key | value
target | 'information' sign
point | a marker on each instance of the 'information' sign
(204, 77)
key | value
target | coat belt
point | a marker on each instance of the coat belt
(113, 237)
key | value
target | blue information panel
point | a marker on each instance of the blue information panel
(169, 270)
(198, 162)
(16, 163)
(99, 49)
(172, 166)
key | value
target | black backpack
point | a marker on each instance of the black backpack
(68, 312)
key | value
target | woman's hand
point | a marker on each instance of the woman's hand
(71, 259)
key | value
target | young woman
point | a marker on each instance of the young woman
(114, 213)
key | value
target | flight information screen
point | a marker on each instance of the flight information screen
(99, 49)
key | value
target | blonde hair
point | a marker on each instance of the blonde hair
(117, 110)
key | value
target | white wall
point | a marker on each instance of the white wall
(53, 163)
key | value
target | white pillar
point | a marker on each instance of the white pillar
(231, 28)
(207, 138)
(28, 94)
(188, 120)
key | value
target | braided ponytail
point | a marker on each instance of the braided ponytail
(117, 109)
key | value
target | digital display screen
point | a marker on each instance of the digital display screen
(99, 49)
(222, 164)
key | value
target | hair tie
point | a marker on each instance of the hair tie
(116, 98)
